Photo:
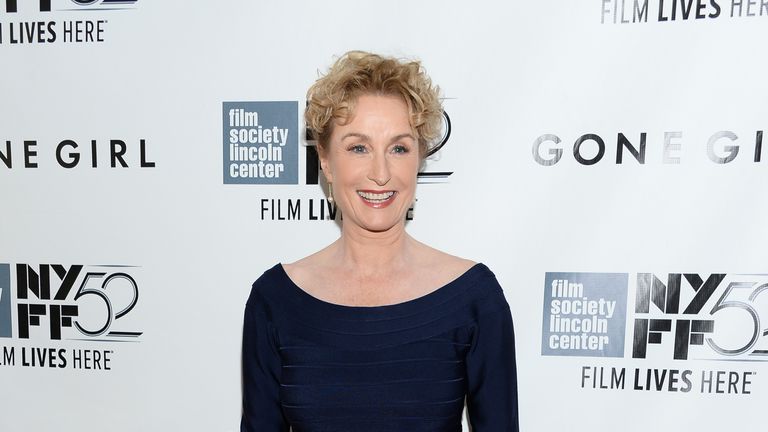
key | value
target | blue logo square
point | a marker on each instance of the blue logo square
(585, 314)
(5, 300)
(261, 142)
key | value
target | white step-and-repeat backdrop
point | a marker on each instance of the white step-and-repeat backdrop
(606, 158)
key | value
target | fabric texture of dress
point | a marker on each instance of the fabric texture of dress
(314, 366)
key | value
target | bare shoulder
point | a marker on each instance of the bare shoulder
(426, 269)
(306, 269)
(444, 267)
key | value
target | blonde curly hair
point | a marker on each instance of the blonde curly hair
(332, 97)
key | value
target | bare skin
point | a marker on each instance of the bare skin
(329, 276)
(374, 262)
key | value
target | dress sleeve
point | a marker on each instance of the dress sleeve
(262, 411)
(492, 374)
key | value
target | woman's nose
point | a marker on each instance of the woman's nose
(379, 172)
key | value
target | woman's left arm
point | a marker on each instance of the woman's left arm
(492, 374)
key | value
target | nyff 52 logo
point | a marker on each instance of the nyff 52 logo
(45, 5)
(721, 314)
(53, 301)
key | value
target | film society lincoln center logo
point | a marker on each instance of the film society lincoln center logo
(261, 142)
(584, 314)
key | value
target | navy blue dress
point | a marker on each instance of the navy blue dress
(315, 366)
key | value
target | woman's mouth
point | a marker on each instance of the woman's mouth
(377, 199)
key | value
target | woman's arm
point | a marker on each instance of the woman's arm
(492, 374)
(262, 411)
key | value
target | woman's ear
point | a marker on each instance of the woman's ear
(325, 164)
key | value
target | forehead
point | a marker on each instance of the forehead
(373, 112)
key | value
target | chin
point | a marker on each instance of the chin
(376, 224)
(379, 228)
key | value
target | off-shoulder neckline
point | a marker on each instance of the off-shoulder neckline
(424, 299)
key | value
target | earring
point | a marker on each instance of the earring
(330, 193)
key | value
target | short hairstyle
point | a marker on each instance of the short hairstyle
(332, 97)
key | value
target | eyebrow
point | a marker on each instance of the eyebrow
(367, 138)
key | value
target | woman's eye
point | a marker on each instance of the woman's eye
(359, 148)
(400, 149)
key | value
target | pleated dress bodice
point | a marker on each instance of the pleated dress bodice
(318, 366)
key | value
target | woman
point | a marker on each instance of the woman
(376, 332)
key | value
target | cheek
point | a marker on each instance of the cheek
(334, 167)
(409, 171)
(347, 173)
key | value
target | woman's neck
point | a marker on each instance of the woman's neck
(370, 253)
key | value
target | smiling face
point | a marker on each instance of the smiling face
(372, 162)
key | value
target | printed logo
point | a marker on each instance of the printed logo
(715, 317)
(584, 314)
(56, 303)
(6, 330)
(676, 318)
(261, 142)
(69, 154)
(644, 11)
(46, 30)
(12, 6)
(722, 147)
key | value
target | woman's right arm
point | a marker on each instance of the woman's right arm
(262, 411)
